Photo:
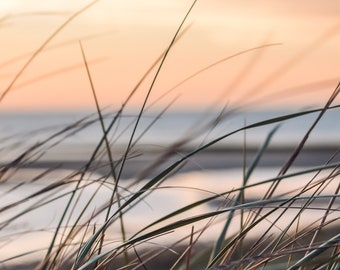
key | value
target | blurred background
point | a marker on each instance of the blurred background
(298, 65)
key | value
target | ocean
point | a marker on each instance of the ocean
(172, 126)
(33, 230)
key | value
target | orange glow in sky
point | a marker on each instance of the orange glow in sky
(298, 64)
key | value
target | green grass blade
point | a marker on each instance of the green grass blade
(317, 251)
(252, 167)
(191, 220)
(101, 230)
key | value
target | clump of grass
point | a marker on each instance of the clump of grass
(95, 205)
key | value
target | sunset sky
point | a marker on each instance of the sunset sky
(299, 64)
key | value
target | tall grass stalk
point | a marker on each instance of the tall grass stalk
(47, 41)
(271, 231)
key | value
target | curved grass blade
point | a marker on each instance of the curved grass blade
(47, 41)
(159, 177)
(191, 220)
(102, 229)
(252, 167)
(317, 251)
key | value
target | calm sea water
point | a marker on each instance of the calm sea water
(20, 130)
(173, 126)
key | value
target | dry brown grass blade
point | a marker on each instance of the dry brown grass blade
(55, 73)
(305, 138)
(51, 47)
(47, 41)
(280, 71)
(298, 149)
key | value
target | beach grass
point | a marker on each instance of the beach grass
(93, 231)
